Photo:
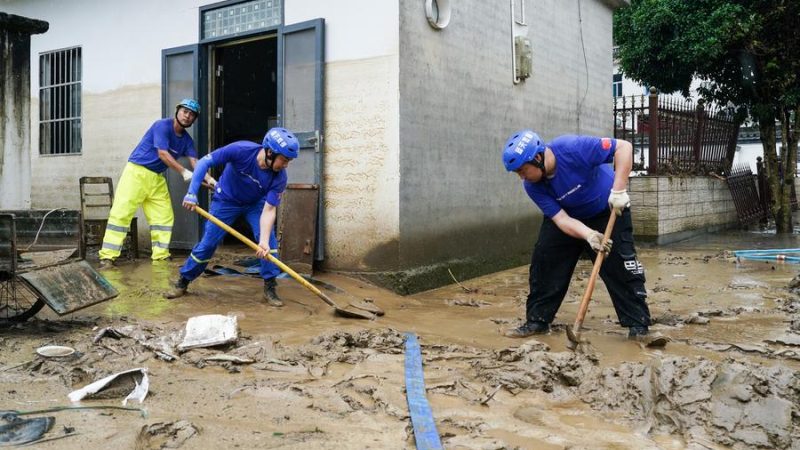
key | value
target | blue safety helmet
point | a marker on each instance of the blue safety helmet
(190, 104)
(282, 142)
(522, 147)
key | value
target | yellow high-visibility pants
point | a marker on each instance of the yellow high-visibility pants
(139, 186)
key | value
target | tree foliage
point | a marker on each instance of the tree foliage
(747, 50)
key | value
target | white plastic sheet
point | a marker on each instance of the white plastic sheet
(138, 393)
(208, 331)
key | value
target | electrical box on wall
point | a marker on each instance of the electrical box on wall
(523, 55)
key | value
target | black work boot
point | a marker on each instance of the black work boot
(528, 329)
(178, 289)
(269, 293)
(637, 333)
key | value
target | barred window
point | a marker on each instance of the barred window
(60, 74)
(616, 85)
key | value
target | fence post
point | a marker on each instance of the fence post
(700, 122)
(652, 168)
(761, 176)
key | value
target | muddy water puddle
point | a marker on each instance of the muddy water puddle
(728, 379)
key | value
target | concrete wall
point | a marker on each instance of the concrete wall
(668, 209)
(458, 104)
(362, 150)
(15, 54)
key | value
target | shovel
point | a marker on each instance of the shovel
(574, 333)
(350, 311)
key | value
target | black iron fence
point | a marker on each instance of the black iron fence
(672, 137)
(742, 186)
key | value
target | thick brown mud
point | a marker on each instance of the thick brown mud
(302, 377)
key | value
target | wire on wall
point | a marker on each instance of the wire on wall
(586, 70)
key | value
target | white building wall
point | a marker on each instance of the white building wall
(121, 44)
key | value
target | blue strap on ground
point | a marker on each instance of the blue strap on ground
(425, 434)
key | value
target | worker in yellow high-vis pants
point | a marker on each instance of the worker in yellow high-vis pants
(143, 183)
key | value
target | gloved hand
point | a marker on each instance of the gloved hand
(595, 240)
(211, 181)
(189, 201)
(619, 200)
(187, 175)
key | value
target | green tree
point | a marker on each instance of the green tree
(748, 51)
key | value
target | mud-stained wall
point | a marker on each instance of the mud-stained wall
(108, 140)
(668, 209)
(458, 104)
(15, 168)
(361, 163)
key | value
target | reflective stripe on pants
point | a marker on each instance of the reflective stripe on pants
(139, 186)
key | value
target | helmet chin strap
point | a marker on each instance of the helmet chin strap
(179, 120)
(269, 160)
(540, 164)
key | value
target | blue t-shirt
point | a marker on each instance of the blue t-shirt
(161, 136)
(583, 177)
(243, 182)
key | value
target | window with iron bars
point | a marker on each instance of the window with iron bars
(60, 74)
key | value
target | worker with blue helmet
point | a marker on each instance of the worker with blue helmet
(571, 179)
(142, 183)
(252, 182)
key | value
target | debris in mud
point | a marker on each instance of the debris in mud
(134, 382)
(671, 319)
(209, 331)
(792, 340)
(475, 303)
(342, 346)
(166, 435)
(18, 431)
(733, 404)
(159, 341)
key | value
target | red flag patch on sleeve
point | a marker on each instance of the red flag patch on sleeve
(606, 142)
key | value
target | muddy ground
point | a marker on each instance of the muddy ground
(301, 377)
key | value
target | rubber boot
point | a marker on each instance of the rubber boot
(528, 329)
(105, 264)
(178, 289)
(269, 293)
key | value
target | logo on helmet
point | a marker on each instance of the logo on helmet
(275, 135)
(523, 142)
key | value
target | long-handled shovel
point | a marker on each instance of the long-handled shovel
(349, 311)
(574, 333)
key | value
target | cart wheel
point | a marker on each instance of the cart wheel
(17, 302)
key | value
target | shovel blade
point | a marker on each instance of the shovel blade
(354, 313)
(368, 306)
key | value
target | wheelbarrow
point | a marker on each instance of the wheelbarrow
(65, 286)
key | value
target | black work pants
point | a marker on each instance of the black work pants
(553, 262)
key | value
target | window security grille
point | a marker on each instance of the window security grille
(60, 74)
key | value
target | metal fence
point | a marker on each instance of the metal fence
(742, 186)
(672, 137)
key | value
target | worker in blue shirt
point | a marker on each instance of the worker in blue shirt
(142, 183)
(251, 186)
(571, 180)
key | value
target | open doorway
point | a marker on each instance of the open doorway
(244, 96)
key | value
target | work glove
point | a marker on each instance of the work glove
(595, 240)
(187, 175)
(189, 201)
(619, 200)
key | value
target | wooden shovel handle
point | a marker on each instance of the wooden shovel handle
(273, 259)
(587, 295)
